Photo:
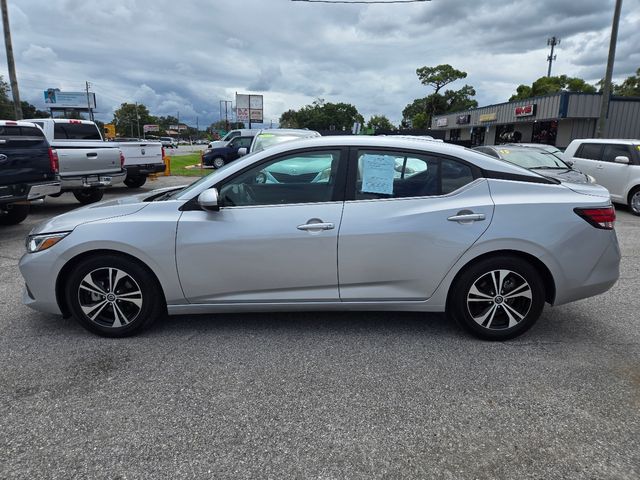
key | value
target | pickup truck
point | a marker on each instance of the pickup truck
(87, 163)
(28, 169)
(141, 158)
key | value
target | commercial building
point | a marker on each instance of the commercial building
(553, 119)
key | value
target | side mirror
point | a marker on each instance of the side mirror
(242, 151)
(622, 159)
(208, 200)
(569, 162)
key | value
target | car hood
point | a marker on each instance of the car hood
(564, 175)
(217, 144)
(96, 211)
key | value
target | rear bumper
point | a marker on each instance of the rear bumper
(147, 169)
(28, 191)
(44, 189)
(101, 180)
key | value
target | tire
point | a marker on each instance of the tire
(56, 195)
(135, 182)
(88, 195)
(134, 301)
(218, 162)
(634, 201)
(491, 314)
(13, 214)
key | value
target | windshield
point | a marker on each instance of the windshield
(531, 158)
(266, 140)
(76, 131)
(185, 191)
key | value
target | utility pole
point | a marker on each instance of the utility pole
(606, 89)
(87, 85)
(10, 62)
(138, 119)
(552, 42)
(226, 113)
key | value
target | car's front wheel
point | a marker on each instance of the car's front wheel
(113, 296)
(498, 298)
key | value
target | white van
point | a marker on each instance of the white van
(615, 164)
(231, 134)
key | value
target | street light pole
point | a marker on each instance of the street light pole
(13, 79)
(606, 88)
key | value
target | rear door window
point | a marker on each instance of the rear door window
(75, 131)
(12, 131)
(590, 151)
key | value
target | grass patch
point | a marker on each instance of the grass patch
(180, 163)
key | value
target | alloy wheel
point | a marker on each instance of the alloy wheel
(635, 202)
(499, 299)
(110, 297)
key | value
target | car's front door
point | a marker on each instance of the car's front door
(275, 237)
(409, 220)
(236, 144)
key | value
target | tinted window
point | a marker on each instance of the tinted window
(397, 175)
(241, 142)
(488, 151)
(613, 151)
(15, 131)
(591, 151)
(76, 131)
(301, 178)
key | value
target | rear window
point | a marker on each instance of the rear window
(76, 131)
(16, 131)
(590, 151)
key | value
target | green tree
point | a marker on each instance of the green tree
(6, 105)
(630, 87)
(29, 111)
(380, 122)
(415, 114)
(321, 115)
(440, 76)
(550, 85)
(128, 116)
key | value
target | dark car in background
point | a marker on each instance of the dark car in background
(539, 160)
(217, 157)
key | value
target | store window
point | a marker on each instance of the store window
(545, 132)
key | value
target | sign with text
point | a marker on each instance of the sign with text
(249, 108)
(526, 110)
(54, 98)
(488, 117)
(442, 122)
(151, 128)
(378, 172)
(463, 119)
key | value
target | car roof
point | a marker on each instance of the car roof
(620, 141)
(17, 123)
(60, 120)
(289, 131)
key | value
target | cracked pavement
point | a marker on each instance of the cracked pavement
(321, 395)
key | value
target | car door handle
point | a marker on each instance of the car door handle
(92, 154)
(316, 226)
(467, 217)
(599, 166)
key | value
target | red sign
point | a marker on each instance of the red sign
(526, 110)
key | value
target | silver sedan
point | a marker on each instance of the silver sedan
(337, 223)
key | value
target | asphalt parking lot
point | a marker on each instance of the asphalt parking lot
(321, 395)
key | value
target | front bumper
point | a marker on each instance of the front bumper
(101, 180)
(40, 271)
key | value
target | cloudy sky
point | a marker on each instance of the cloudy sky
(186, 56)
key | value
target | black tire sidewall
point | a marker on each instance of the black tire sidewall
(213, 162)
(13, 214)
(458, 300)
(135, 182)
(88, 196)
(153, 305)
(631, 194)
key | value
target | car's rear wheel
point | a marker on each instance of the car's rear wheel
(498, 298)
(13, 214)
(218, 162)
(135, 182)
(114, 296)
(88, 195)
(634, 201)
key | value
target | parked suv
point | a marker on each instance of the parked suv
(615, 164)
(217, 157)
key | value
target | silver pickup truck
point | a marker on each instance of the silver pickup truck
(87, 163)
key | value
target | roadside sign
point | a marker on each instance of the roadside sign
(110, 131)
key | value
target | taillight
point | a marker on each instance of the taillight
(603, 218)
(53, 160)
(121, 159)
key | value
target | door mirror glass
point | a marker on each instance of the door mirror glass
(242, 151)
(208, 200)
(621, 159)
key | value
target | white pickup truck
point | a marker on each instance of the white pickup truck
(141, 158)
(87, 163)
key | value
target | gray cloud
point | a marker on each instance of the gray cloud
(188, 56)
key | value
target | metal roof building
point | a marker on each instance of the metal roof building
(554, 119)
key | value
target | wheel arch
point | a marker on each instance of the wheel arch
(68, 267)
(539, 265)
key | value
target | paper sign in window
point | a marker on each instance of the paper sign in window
(378, 172)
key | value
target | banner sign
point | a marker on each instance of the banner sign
(54, 98)
(442, 122)
(489, 117)
(151, 128)
(526, 110)
(463, 119)
(178, 127)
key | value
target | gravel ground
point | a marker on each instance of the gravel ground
(321, 395)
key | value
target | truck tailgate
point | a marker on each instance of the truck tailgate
(141, 153)
(87, 158)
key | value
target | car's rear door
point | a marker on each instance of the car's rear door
(409, 218)
(615, 176)
(273, 240)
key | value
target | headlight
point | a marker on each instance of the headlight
(38, 243)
